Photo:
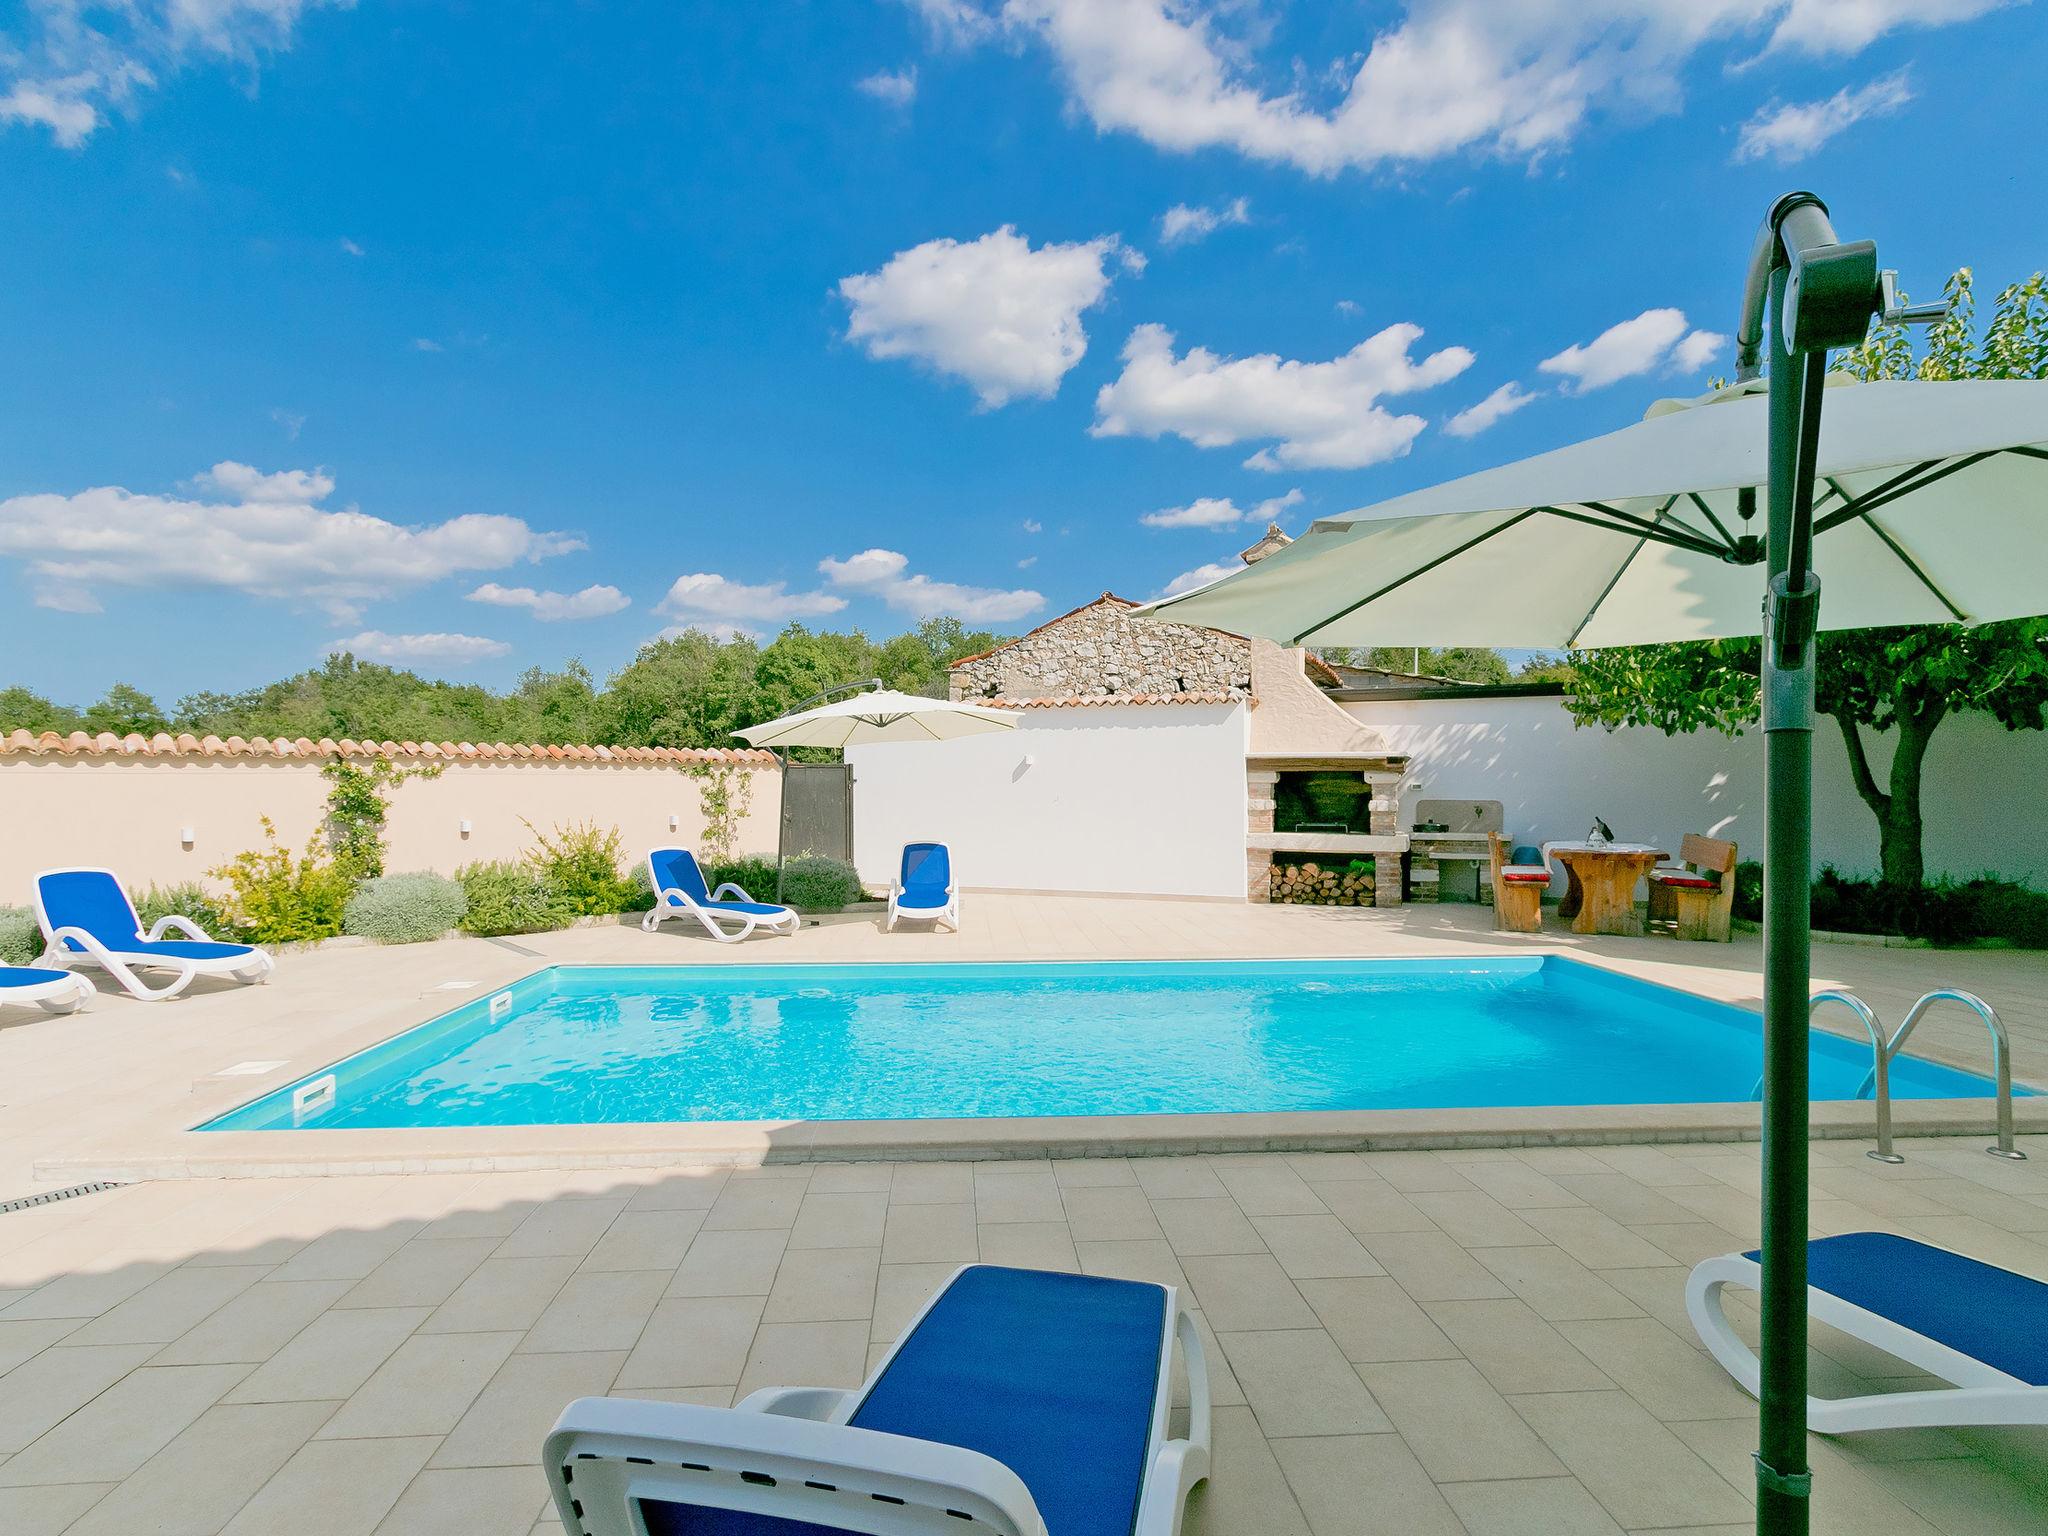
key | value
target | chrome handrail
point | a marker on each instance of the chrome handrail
(2001, 1057)
(1880, 1066)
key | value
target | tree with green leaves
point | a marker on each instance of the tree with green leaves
(1906, 680)
(126, 711)
(23, 709)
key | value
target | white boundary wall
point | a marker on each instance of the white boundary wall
(1985, 789)
(1127, 798)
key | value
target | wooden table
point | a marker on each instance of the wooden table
(1601, 895)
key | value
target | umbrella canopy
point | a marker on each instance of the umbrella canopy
(879, 715)
(1930, 506)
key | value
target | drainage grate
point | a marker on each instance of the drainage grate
(29, 1202)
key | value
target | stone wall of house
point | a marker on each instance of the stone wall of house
(1100, 650)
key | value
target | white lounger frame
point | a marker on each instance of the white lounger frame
(788, 1451)
(66, 995)
(949, 914)
(255, 966)
(670, 902)
(1981, 1395)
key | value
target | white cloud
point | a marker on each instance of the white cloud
(1326, 415)
(885, 574)
(1027, 562)
(427, 344)
(1350, 307)
(993, 311)
(73, 62)
(1654, 339)
(891, 87)
(1200, 576)
(350, 247)
(1791, 130)
(457, 650)
(292, 421)
(716, 605)
(59, 597)
(1221, 512)
(1512, 78)
(593, 602)
(1183, 225)
(1033, 525)
(260, 534)
(1503, 402)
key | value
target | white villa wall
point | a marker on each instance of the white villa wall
(1985, 806)
(1125, 798)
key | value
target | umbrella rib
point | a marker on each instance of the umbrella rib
(1419, 571)
(1636, 525)
(1914, 566)
(1901, 485)
(1719, 527)
(1620, 571)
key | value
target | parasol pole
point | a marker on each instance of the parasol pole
(782, 810)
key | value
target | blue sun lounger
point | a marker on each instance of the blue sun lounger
(679, 891)
(87, 916)
(925, 888)
(1020, 1402)
(1982, 1328)
(54, 991)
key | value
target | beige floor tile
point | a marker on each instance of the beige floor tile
(730, 1263)
(47, 1511)
(1628, 1200)
(1689, 1242)
(562, 1229)
(1093, 1173)
(1138, 1258)
(817, 1285)
(498, 1221)
(1596, 1239)
(167, 1307)
(1364, 1485)
(1973, 1498)
(805, 1355)
(1431, 1267)
(1418, 1172)
(1315, 1247)
(851, 1178)
(421, 1274)
(28, 1338)
(694, 1189)
(43, 1390)
(121, 1428)
(1299, 1383)
(347, 1254)
(1245, 1292)
(1373, 1206)
(597, 1310)
(424, 1388)
(1848, 1499)
(331, 1357)
(1108, 1212)
(1223, 1387)
(510, 1417)
(849, 1220)
(929, 1234)
(333, 1488)
(1246, 1492)
(696, 1341)
(755, 1205)
(255, 1325)
(1374, 1319)
(1515, 1349)
(1558, 1287)
(196, 1483)
(501, 1294)
(1202, 1226)
(901, 1290)
(1004, 1196)
(1027, 1245)
(1666, 1373)
(1518, 1186)
(483, 1500)
(1530, 1506)
(932, 1184)
(1459, 1428)
(1264, 1186)
(1474, 1219)
(1641, 1473)
(645, 1240)
(1177, 1178)
(85, 1295)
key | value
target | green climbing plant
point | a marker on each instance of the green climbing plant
(358, 803)
(724, 795)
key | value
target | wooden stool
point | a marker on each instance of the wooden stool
(1517, 889)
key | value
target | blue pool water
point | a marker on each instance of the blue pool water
(579, 1045)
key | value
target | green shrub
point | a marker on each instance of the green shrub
(1749, 891)
(405, 909)
(186, 899)
(752, 874)
(277, 898)
(813, 883)
(1942, 912)
(505, 897)
(20, 939)
(580, 864)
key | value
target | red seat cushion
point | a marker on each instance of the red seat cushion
(1687, 882)
(1531, 876)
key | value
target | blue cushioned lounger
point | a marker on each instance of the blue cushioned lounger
(728, 913)
(1029, 1402)
(86, 916)
(925, 888)
(55, 991)
(1983, 1328)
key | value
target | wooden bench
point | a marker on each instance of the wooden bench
(1701, 896)
(1517, 889)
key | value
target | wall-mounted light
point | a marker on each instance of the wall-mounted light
(675, 822)
(187, 836)
(1030, 761)
(463, 827)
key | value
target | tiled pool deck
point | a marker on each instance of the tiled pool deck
(1482, 1340)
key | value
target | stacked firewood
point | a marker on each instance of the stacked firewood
(1322, 885)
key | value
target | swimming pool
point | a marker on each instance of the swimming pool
(596, 1045)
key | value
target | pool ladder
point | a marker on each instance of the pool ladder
(1882, 1051)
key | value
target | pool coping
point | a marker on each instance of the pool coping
(174, 1148)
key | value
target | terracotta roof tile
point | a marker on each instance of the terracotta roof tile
(24, 743)
(1086, 700)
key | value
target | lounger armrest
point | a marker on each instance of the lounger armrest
(819, 1403)
(670, 895)
(184, 925)
(737, 893)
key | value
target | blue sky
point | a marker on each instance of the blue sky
(482, 336)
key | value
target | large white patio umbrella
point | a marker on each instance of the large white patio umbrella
(879, 715)
(1928, 502)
